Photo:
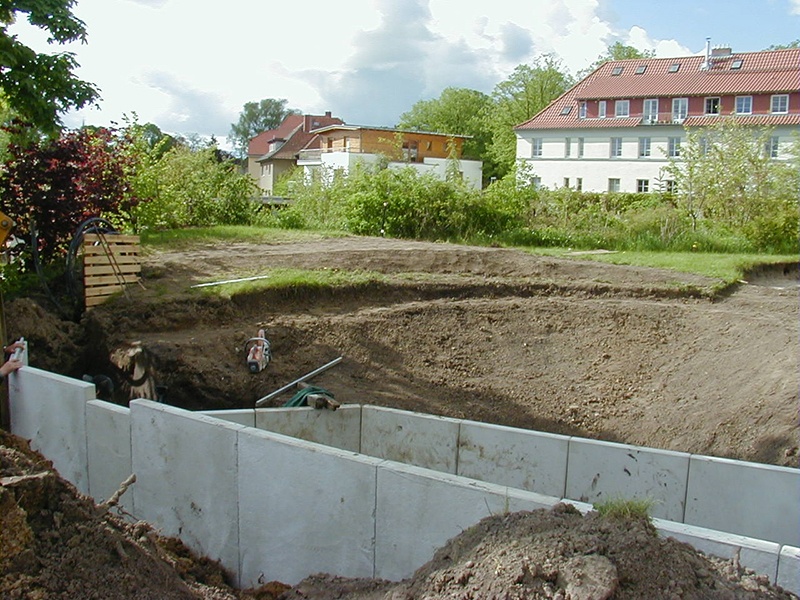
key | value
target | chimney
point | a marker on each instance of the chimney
(328, 114)
(721, 52)
(707, 62)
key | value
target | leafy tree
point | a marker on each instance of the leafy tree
(792, 44)
(617, 51)
(39, 87)
(528, 90)
(52, 185)
(726, 178)
(182, 186)
(458, 111)
(255, 118)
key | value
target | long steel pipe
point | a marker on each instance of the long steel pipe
(325, 367)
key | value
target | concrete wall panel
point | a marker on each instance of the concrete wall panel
(418, 510)
(108, 429)
(760, 501)
(304, 509)
(416, 439)
(527, 460)
(754, 554)
(339, 428)
(49, 410)
(789, 569)
(186, 477)
(599, 471)
(242, 416)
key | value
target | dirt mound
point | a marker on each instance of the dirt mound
(557, 554)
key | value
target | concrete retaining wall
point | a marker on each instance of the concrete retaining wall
(270, 505)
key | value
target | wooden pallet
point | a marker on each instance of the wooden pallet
(110, 262)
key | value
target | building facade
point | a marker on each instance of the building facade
(344, 146)
(618, 128)
(274, 152)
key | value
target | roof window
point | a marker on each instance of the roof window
(641, 69)
(565, 110)
(736, 64)
(674, 67)
(617, 70)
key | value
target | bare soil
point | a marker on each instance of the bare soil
(635, 355)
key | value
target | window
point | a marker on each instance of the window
(613, 185)
(736, 65)
(582, 110)
(579, 183)
(616, 147)
(566, 182)
(744, 105)
(622, 108)
(780, 103)
(771, 147)
(642, 185)
(536, 147)
(640, 69)
(680, 108)
(650, 110)
(411, 151)
(703, 146)
(712, 106)
(617, 70)
(601, 109)
(580, 147)
(669, 186)
(674, 67)
(567, 147)
(674, 147)
(566, 110)
(644, 147)
(537, 182)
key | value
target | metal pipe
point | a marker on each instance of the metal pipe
(262, 401)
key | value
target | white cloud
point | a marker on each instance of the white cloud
(192, 65)
(794, 7)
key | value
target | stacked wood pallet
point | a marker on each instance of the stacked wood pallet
(110, 262)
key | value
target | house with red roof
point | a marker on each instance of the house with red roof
(345, 146)
(274, 152)
(617, 129)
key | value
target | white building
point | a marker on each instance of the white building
(617, 129)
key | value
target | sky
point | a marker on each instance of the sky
(189, 66)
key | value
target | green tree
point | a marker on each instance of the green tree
(458, 111)
(792, 44)
(255, 118)
(616, 51)
(726, 177)
(39, 87)
(528, 90)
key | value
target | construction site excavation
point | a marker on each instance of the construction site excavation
(568, 346)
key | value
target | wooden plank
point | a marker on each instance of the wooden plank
(105, 260)
(106, 290)
(100, 280)
(111, 238)
(113, 250)
(110, 270)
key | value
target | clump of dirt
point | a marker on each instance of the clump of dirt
(557, 554)
(56, 543)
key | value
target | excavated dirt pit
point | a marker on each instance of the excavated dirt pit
(627, 354)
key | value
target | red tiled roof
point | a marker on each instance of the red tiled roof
(775, 71)
(260, 144)
(292, 127)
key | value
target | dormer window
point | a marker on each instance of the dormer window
(622, 108)
(617, 70)
(674, 67)
(641, 69)
(582, 110)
